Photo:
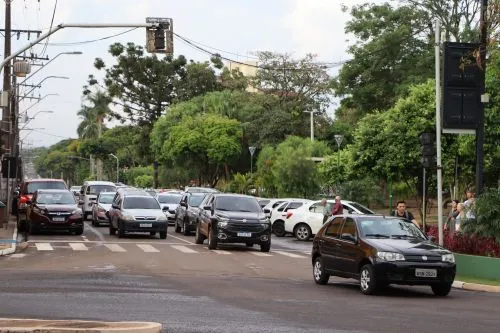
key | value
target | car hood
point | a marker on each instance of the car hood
(170, 206)
(59, 208)
(241, 215)
(406, 246)
(107, 207)
(144, 212)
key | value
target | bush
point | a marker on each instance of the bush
(144, 181)
(472, 244)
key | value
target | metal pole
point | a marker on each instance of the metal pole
(390, 196)
(6, 73)
(312, 125)
(437, 48)
(423, 200)
(251, 165)
(117, 170)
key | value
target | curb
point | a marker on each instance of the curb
(12, 248)
(476, 287)
(76, 326)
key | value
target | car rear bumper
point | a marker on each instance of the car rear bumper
(147, 226)
(404, 273)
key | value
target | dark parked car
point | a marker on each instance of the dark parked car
(379, 251)
(233, 218)
(188, 212)
(54, 210)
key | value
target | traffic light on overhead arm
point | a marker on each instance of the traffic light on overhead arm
(159, 35)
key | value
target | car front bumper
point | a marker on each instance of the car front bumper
(229, 235)
(145, 226)
(69, 224)
(404, 272)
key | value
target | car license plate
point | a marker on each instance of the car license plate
(421, 272)
(145, 225)
(58, 219)
(244, 234)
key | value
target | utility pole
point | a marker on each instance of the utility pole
(312, 123)
(437, 54)
(6, 74)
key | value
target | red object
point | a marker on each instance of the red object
(25, 198)
(289, 214)
(337, 209)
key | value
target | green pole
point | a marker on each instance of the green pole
(390, 196)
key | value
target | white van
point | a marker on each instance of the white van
(89, 192)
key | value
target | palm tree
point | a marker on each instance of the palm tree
(91, 126)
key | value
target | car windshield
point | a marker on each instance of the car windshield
(169, 198)
(361, 208)
(106, 198)
(35, 186)
(96, 189)
(237, 204)
(140, 203)
(195, 200)
(55, 199)
(389, 228)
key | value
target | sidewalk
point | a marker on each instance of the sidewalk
(8, 236)
(476, 287)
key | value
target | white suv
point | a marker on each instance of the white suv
(306, 221)
(279, 214)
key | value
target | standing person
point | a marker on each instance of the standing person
(401, 211)
(337, 207)
(452, 215)
(460, 219)
(470, 205)
(326, 210)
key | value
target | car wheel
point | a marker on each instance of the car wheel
(121, 230)
(79, 232)
(302, 232)
(279, 228)
(442, 289)
(319, 273)
(177, 227)
(265, 247)
(367, 280)
(212, 241)
(185, 228)
(163, 235)
(198, 238)
(249, 244)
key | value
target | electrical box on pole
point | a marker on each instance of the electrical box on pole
(462, 83)
(160, 38)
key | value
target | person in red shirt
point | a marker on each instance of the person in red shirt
(337, 207)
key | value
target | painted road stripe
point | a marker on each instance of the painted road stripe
(78, 247)
(115, 248)
(147, 248)
(261, 254)
(183, 249)
(44, 247)
(221, 252)
(288, 254)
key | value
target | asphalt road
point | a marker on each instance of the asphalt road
(191, 289)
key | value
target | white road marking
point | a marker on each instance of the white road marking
(185, 241)
(261, 254)
(183, 249)
(115, 248)
(44, 247)
(221, 251)
(147, 248)
(78, 247)
(17, 255)
(288, 254)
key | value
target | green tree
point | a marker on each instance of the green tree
(144, 181)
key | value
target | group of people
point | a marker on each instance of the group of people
(460, 212)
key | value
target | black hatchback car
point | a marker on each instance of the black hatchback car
(233, 218)
(379, 251)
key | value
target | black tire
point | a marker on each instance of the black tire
(198, 238)
(442, 289)
(302, 232)
(177, 227)
(212, 240)
(121, 230)
(368, 283)
(319, 274)
(185, 228)
(163, 235)
(152, 233)
(279, 228)
(79, 232)
(265, 247)
(249, 244)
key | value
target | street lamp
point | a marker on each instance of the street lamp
(252, 151)
(117, 166)
(39, 83)
(28, 119)
(312, 123)
(48, 62)
(41, 99)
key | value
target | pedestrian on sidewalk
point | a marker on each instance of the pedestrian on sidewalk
(452, 215)
(402, 212)
(337, 206)
(460, 219)
(326, 210)
(470, 205)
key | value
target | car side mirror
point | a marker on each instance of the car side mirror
(165, 208)
(349, 237)
(207, 208)
(267, 211)
(183, 204)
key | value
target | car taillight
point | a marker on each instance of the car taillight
(288, 215)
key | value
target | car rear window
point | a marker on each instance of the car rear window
(49, 185)
(96, 189)
(106, 198)
(169, 198)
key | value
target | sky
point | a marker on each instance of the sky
(239, 27)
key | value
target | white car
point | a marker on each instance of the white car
(306, 221)
(270, 204)
(279, 213)
(169, 201)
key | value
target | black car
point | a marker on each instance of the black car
(233, 218)
(188, 212)
(379, 251)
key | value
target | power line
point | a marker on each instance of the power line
(216, 49)
(50, 134)
(51, 24)
(92, 40)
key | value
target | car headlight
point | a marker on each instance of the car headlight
(390, 256)
(77, 211)
(126, 216)
(265, 225)
(448, 258)
(222, 223)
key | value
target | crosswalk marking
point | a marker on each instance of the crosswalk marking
(78, 247)
(44, 247)
(147, 248)
(115, 248)
(183, 249)
(221, 252)
(289, 254)
(261, 254)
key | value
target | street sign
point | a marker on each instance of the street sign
(252, 150)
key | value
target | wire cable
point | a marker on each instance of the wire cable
(93, 40)
(51, 25)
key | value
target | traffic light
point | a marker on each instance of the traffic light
(159, 36)
(428, 150)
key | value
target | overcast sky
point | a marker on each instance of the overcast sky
(236, 26)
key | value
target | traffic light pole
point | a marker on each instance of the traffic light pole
(437, 49)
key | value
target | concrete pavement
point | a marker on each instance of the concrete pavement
(9, 325)
(8, 237)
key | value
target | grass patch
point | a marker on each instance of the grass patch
(477, 280)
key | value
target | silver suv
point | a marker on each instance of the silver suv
(136, 211)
